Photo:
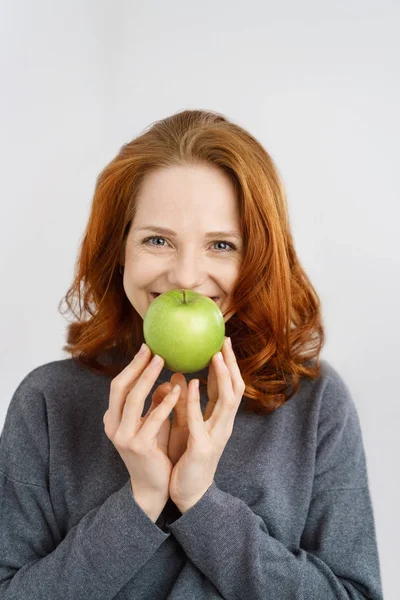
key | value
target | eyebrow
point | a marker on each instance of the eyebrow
(165, 230)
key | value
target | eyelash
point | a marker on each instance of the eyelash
(157, 237)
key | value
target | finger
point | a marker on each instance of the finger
(160, 393)
(225, 408)
(212, 392)
(121, 386)
(195, 416)
(157, 398)
(149, 430)
(231, 362)
(212, 386)
(179, 418)
(134, 403)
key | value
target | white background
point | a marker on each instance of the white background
(318, 83)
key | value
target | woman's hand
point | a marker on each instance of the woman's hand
(179, 431)
(194, 472)
(142, 442)
(174, 435)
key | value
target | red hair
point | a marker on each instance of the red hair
(276, 331)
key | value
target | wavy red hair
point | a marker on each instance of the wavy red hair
(276, 331)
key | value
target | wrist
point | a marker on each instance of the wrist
(151, 503)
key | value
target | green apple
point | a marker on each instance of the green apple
(185, 328)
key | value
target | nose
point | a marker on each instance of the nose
(186, 272)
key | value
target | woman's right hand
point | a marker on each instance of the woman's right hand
(142, 442)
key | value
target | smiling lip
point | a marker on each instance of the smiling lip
(155, 294)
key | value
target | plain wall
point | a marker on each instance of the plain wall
(316, 82)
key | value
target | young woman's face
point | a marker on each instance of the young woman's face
(191, 201)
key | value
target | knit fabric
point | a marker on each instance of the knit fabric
(288, 516)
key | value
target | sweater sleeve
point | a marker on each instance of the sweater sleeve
(96, 557)
(337, 557)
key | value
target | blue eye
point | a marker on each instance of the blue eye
(231, 248)
(146, 241)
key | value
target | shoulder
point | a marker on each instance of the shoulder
(55, 372)
(336, 415)
(51, 385)
(329, 392)
(336, 395)
(326, 403)
(339, 440)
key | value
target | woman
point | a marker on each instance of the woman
(253, 486)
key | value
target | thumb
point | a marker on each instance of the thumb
(179, 418)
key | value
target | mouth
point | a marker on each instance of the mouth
(214, 298)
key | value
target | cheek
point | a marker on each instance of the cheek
(142, 269)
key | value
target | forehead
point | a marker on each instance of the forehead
(186, 188)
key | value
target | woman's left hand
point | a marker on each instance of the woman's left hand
(194, 472)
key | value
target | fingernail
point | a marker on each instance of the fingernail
(156, 359)
(229, 342)
(219, 356)
(176, 389)
(142, 349)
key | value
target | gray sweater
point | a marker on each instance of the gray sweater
(288, 516)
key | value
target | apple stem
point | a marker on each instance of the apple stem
(184, 296)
